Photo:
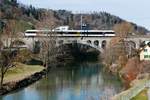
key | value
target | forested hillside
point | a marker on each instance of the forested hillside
(28, 17)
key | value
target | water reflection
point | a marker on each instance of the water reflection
(85, 81)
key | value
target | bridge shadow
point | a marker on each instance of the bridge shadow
(80, 52)
(70, 52)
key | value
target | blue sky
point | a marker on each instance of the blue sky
(136, 11)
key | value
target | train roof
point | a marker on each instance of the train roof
(67, 31)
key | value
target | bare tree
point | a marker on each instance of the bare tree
(48, 43)
(7, 55)
(124, 29)
(48, 49)
(46, 21)
(117, 51)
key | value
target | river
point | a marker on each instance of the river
(80, 81)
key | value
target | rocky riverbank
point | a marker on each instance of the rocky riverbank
(15, 85)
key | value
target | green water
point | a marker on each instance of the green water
(80, 81)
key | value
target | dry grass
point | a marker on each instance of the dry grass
(141, 96)
(21, 71)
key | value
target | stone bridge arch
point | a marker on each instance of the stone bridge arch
(90, 44)
(103, 44)
(18, 43)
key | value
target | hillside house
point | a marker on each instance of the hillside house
(145, 53)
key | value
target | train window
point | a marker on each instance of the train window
(109, 33)
(30, 32)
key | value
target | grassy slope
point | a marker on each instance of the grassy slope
(21, 71)
(141, 96)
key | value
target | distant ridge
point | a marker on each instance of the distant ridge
(29, 16)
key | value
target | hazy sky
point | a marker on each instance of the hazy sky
(136, 11)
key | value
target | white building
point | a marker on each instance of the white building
(145, 53)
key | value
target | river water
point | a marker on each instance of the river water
(80, 81)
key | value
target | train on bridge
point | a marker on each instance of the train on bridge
(64, 31)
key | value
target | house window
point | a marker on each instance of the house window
(146, 56)
(145, 50)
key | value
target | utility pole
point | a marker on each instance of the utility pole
(81, 22)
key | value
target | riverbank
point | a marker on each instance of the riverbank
(133, 93)
(20, 76)
(136, 75)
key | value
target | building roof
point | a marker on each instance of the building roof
(141, 49)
